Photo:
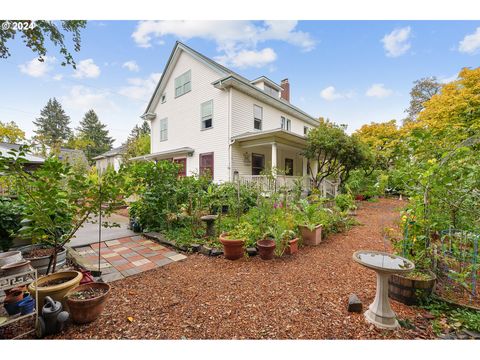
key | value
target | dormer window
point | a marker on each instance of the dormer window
(270, 90)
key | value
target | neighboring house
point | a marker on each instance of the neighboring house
(211, 119)
(113, 158)
(72, 156)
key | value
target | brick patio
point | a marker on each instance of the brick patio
(125, 257)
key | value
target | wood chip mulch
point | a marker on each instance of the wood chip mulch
(298, 297)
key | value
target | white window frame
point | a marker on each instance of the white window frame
(183, 83)
(306, 129)
(255, 119)
(289, 125)
(283, 121)
(164, 98)
(206, 117)
(163, 129)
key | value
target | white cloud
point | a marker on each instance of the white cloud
(86, 69)
(396, 43)
(58, 77)
(83, 98)
(37, 68)
(447, 79)
(378, 91)
(131, 65)
(470, 43)
(331, 94)
(233, 38)
(248, 58)
(141, 88)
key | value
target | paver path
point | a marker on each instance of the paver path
(125, 257)
(295, 297)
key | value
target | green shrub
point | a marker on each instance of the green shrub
(11, 213)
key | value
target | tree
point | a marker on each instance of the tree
(330, 152)
(11, 133)
(422, 91)
(138, 142)
(93, 136)
(35, 33)
(384, 141)
(53, 125)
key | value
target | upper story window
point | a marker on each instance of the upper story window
(270, 90)
(164, 98)
(285, 124)
(257, 117)
(306, 129)
(207, 114)
(183, 84)
(164, 129)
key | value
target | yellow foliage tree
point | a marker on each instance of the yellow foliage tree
(11, 133)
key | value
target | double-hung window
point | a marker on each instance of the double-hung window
(283, 122)
(183, 84)
(306, 129)
(289, 125)
(257, 117)
(164, 129)
(207, 114)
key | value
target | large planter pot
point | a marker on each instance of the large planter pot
(311, 237)
(41, 263)
(88, 310)
(409, 291)
(266, 249)
(233, 249)
(58, 291)
(10, 257)
(292, 247)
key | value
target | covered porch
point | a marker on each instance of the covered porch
(270, 160)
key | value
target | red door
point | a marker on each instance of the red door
(183, 166)
(206, 165)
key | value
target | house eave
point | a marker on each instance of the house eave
(252, 90)
(162, 155)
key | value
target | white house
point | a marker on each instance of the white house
(209, 118)
(113, 158)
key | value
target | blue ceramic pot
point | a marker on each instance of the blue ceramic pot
(12, 308)
(27, 305)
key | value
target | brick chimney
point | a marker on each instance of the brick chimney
(285, 94)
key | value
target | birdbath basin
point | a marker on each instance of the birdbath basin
(384, 264)
(210, 221)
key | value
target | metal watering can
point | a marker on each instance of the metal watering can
(53, 318)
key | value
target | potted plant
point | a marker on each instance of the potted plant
(234, 241)
(290, 239)
(57, 199)
(86, 302)
(309, 223)
(413, 287)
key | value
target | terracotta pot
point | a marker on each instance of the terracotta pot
(14, 296)
(292, 247)
(233, 249)
(311, 237)
(85, 311)
(266, 249)
(359, 197)
(15, 268)
(56, 292)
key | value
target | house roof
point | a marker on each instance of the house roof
(270, 82)
(113, 152)
(6, 147)
(165, 154)
(274, 135)
(226, 74)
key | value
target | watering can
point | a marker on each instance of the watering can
(52, 319)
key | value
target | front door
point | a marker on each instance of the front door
(206, 165)
(258, 163)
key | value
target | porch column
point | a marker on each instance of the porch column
(274, 155)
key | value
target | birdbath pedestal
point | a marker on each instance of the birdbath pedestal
(210, 221)
(379, 312)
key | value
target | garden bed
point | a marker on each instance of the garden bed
(286, 298)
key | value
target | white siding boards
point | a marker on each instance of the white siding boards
(191, 112)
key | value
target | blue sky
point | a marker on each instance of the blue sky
(352, 72)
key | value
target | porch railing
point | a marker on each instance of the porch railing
(269, 184)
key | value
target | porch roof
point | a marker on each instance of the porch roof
(275, 135)
(161, 155)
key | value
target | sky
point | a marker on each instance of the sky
(352, 72)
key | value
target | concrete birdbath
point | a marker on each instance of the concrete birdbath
(379, 312)
(210, 221)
